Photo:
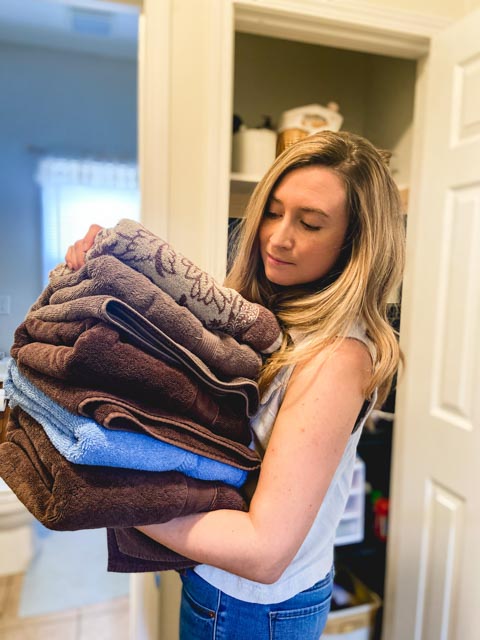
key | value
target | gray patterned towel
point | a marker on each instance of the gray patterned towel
(216, 306)
(108, 276)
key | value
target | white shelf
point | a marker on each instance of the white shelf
(244, 180)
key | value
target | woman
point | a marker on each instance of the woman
(322, 247)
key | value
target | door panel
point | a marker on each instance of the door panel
(433, 554)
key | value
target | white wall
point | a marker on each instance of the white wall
(443, 8)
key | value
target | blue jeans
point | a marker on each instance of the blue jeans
(207, 613)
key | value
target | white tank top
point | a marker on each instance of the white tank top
(314, 559)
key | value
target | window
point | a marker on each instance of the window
(78, 193)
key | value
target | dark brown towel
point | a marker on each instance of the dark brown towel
(99, 358)
(66, 497)
(129, 551)
(218, 307)
(108, 276)
(45, 325)
(129, 414)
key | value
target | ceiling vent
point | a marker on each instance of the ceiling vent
(91, 23)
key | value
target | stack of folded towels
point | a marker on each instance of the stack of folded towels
(132, 385)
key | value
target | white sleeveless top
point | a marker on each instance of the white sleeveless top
(314, 559)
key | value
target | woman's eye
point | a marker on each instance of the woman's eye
(310, 227)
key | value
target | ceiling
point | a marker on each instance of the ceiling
(92, 26)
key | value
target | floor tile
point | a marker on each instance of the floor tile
(109, 624)
(101, 621)
(63, 628)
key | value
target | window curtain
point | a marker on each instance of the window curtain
(78, 193)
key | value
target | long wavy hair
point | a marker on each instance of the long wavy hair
(369, 267)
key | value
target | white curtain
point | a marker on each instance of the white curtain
(78, 193)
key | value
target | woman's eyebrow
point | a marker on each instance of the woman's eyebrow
(320, 212)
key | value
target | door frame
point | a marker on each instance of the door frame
(355, 25)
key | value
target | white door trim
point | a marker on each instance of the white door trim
(357, 25)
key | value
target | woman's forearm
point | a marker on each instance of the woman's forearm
(226, 539)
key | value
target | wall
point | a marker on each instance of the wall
(60, 102)
(442, 8)
(375, 93)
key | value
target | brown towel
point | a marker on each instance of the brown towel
(130, 551)
(99, 358)
(129, 414)
(108, 276)
(217, 307)
(62, 324)
(68, 497)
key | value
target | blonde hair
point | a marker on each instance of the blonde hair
(369, 268)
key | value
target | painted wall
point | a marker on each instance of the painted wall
(58, 102)
(442, 8)
(375, 93)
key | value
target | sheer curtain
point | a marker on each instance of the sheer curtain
(77, 193)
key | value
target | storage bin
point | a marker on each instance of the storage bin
(355, 622)
(351, 528)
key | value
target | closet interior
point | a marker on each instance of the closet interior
(375, 95)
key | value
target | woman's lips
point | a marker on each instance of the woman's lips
(276, 261)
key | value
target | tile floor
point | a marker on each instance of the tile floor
(105, 621)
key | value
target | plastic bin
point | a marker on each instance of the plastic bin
(351, 528)
(356, 621)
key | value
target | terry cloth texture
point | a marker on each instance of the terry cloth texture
(218, 307)
(64, 496)
(62, 324)
(82, 441)
(100, 357)
(107, 276)
(130, 551)
(128, 415)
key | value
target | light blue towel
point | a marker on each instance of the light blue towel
(83, 441)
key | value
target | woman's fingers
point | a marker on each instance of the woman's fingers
(90, 236)
(75, 256)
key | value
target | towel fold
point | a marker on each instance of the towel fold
(130, 551)
(128, 414)
(218, 307)
(108, 276)
(82, 441)
(62, 324)
(68, 497)
(99, 357)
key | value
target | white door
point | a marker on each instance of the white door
(433, 590)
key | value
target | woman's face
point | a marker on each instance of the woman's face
(304, 226)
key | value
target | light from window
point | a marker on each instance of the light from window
(78, 193)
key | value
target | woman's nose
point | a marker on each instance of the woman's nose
(282, 235)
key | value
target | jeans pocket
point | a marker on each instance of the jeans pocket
(306, 623)
(196, 620)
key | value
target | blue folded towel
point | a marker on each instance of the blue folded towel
(83, 441)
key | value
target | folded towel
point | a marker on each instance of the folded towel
(67, 497)
(129, 414)
(130, 551)
(218, 307)
(83, 441)
(108, 276)
(99, 357)
(62, 324)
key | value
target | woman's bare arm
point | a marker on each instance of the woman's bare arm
(312, 428)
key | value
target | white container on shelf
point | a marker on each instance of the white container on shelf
(253, 150)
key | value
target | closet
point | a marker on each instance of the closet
(375, 95)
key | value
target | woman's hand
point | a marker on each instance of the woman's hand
(75, 256)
